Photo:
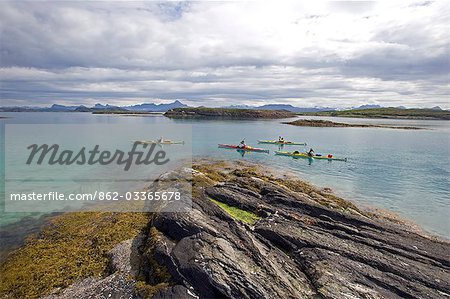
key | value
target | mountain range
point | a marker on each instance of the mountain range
(286, 107)
(145, 107)
(156, 107)
(152, 107)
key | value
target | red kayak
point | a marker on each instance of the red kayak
(246, 148)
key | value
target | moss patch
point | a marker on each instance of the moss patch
(215, 171)
(160, 273)
(241, 215)
(160, 277)
(148, 291)
(70, 247)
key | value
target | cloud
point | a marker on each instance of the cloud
(214, 53)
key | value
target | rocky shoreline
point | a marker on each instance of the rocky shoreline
(328, 124)
(255, 234)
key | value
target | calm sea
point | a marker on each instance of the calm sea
(405, 171)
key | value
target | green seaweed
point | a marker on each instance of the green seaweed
(71, 247)
(238, 214)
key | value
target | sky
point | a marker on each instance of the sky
(303, 53)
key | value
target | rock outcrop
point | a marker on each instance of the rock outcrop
(298, 247)
(251, 234)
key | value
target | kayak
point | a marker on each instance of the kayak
(247, 148)
(281, 142)
(304, 155)
(160, 142)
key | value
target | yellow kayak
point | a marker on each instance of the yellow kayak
(160, 142)
(297, 154)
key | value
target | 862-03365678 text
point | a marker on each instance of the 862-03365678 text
(97, 195)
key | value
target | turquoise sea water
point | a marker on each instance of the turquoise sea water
(405, 171)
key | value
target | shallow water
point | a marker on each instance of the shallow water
(405, 171)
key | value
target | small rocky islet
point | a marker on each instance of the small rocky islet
(227, 113)
(250, 234)
(330, 124)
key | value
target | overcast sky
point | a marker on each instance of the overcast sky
(336, 54)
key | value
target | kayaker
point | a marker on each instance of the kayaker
(242, 144)
(310, 152)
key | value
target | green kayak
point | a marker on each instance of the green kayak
(281, 142)
(297, 154)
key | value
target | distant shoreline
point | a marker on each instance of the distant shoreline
(386, 113)
(237, 113)
(375, 117)
(129, 112)
(249, 113)
(330, 124)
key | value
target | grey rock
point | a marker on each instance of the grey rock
(114, 286)
(298, 249)
(175, 292)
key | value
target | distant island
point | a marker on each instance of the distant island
(98, 108)
(327, 123)
(402, 113)
(227, 113)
